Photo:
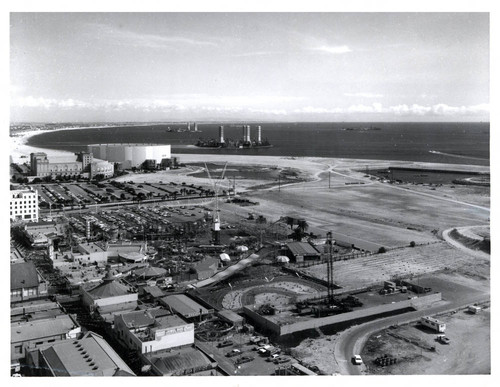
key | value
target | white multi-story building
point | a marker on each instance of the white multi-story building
(153, 330)
(24, 204)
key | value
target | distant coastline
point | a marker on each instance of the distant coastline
(448, 143)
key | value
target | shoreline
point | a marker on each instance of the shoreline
(19, 148)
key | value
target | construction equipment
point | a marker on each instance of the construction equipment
(216, 216)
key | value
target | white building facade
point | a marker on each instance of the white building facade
(24, 205)
(130, 155)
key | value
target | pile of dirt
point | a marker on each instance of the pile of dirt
(483, 244)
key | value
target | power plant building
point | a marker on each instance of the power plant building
(131, 155)
(83, 164)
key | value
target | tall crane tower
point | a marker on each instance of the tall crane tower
(216, 216)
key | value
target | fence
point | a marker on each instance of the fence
(345, 257)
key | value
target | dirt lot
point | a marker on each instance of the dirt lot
(467, 354)
(408, 262)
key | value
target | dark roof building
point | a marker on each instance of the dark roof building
(302, 251)
(185, 361)
(108, 297)
(25, 282)
(23, 275)
(185, 306)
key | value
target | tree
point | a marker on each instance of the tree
(412, 244)
(382, 250)
(302, 224)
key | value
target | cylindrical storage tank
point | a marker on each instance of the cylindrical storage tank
(139, 154)
(127, 153)
(259, 133)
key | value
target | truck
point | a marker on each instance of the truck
(442, 339)
(474, 309)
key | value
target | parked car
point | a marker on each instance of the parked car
(280, 360)
(356, 359)
(234, 352)
(272, 357)
(244, 359)
(225, 343)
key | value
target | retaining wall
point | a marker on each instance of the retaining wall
(314, 323)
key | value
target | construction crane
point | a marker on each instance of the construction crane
(216, 217)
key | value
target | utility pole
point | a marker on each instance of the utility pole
(329, 179)
(279, 183)
(329, 266)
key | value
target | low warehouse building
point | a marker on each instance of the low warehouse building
(186, 307)
(301, 251)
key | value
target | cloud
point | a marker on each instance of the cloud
(402, 110)
(256, 53)
(48, 103)
(263, 105)
(333, 49)
(131, 38)
(364, 95)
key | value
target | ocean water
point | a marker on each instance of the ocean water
(454, 143)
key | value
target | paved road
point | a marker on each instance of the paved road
(352, 341)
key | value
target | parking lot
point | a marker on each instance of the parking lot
(259, 365)
(83, 194)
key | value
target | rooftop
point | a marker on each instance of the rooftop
(184, 305)
(175, 362)
(23, 275)
(89, 356)
(33, 330)
(89, 247)
(108, 288)
(302, 248)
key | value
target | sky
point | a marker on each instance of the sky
(94, 67)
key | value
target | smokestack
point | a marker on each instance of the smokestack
(221, 134)
(259, 134)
